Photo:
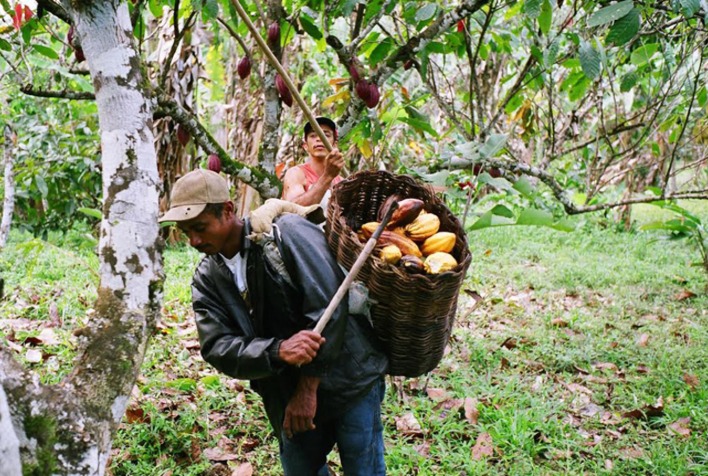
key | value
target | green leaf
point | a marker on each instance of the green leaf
(45, 51)
(545, 19)
(590, 60)
(493, 144)
(610, 13)
(702, 96)
(628, 81)
(524, 187)
(533, 216)
(563, 225)
(92, 212)
(420, 125)
(310, 28)
(381, 51)
(155, 7)
(211, 381)
(689, 7)
(550, 54)
(426, 13)
(183, 384)
(532, 8)
(41, 185)
(578, 89)
(671, 225)
(490, 218)
(643, 54)
(5, 45)
(498, 183)
(624, 29)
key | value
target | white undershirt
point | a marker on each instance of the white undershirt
(237, 265)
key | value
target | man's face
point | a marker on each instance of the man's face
(313, 145)
(207, 233)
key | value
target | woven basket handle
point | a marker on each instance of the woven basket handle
(344, 287)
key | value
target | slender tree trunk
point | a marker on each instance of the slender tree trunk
(8, 205)
(68, 428)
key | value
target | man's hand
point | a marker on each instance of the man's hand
(333, 163)
(300, 412)
(301, 348)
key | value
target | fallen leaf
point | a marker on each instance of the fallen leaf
(423, 449)
(558, 322)
(609, 465)
(643, 340)
(408, 425)
(577, 388)
(483, 447)
(509, 343)
(680, 427)
(642, 369)
(33, 356)
(605, 366)
(471, 410)
(684, 294)
(648, 411)
(136, 415)
(691, 380)
(218, 454)
(590, 410)
(631, 453)
(244, 469)
(48, 337)
(437, 394)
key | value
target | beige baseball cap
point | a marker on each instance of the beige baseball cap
(191, 194)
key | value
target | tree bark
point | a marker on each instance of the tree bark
(8, 205)
(68, 428)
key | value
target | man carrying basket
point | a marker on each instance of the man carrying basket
(254, 315)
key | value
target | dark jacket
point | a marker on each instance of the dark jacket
(241, 340)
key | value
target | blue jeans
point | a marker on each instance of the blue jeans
(358, 435)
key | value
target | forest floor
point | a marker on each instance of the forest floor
(572, 353)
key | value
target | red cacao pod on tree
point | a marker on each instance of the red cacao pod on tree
(274, 33)
(362, 89)
(70, 36)
(244, 67)
(214, 163)
(374, 96)
(354, 72)
(183, 135)
(79, 55)
(408, 65)
(283, 90)
(460, 26)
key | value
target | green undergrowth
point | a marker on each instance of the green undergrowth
(573, 353)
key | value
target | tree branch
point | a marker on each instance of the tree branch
(65, 94)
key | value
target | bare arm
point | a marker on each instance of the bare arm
(294, 181)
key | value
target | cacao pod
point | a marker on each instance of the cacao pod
(408, 65)
(362, 90)
(285, 94)
(70, 36)
(214, 163)
(412, 264)
(274, 33)
(443, 241)
(399, 230)
(374, 96)
(460, 26)
(244, 67)
(354, 72)
(407, 211)
(79, 54)
(385, 204)
(407, 247)
(391, 254)
(368, 229)
(424, 226)
(183, 135)
(439, 262)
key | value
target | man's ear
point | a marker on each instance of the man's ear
(228, 209)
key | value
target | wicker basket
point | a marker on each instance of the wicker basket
(412, 314)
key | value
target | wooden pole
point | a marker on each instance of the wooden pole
(283, 74)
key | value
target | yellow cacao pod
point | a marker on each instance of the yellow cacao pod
(442, 241)
(424, 226)
(391, 254)
(368, 229)
(439, 262)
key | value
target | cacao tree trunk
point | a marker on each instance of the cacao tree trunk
(67, 428)
(8, 205)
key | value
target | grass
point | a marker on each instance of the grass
(587, 354)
